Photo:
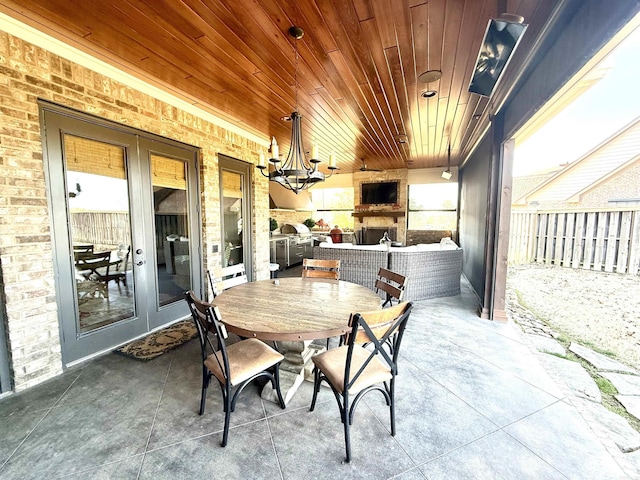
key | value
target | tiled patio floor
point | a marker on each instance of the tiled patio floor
(472, 402)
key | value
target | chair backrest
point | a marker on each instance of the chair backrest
(212, 284)
(123, 255)
(233, 275)
(377, 328)
(207, 319)
(92, 261)
(316, 268)
(392, 283)
(224, 278)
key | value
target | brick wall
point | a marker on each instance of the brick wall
(27, 73)
(290, 216)
(625, 185)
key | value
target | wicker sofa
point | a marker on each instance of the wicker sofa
(433, 270)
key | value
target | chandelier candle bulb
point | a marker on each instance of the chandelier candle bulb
(315, 153)
(261, 161)
(274, 148)
(332, 161)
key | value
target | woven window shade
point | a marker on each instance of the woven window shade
(231, 185)
(168, 173)
(91, 156)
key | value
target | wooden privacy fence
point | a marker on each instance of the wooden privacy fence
(104, 228)
(603, 240)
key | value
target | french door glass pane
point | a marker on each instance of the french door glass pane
(168, 177)
(99, 225)
(232, 212)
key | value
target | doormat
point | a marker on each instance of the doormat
(157, 343)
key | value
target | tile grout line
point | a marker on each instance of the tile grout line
(503, 429)
(155, 416)
(416, 466)
(48, 411)
(273, 443)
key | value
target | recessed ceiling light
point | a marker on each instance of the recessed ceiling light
(429, 93)
(401, 138)
(430, 76)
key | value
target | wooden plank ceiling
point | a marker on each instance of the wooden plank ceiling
(358, 68)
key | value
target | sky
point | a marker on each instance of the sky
(95, 189)
(601, 111)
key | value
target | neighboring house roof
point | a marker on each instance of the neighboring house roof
(606, 158)
(521, 186)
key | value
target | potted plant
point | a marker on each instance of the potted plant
(310, 223)
(273, 224)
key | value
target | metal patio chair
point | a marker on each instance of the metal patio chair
(352, 370)
(234, 366)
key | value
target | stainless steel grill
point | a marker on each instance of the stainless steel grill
(295, 229)
(298, 246)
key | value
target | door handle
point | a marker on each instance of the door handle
(140, 259)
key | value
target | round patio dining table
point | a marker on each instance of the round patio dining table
(293, 311)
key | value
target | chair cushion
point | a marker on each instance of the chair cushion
(332, 363)
(246, 358)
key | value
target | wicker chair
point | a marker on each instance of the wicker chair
(234, 366)
(353, 370)
(433, 274)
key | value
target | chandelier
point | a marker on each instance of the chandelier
(296, 173)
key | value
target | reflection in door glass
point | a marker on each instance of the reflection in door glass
(100, 231)
(232, 221)
(169, 181)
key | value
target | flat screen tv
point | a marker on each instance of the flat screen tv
(379, 193)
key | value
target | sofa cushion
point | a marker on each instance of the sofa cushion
(428, 247)
(448, 244)
(410, 248)
(381, 248)
(335, 245)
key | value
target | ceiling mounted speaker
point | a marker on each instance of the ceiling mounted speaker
(430, 76)
(500, 40)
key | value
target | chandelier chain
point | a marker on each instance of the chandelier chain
(295, 75)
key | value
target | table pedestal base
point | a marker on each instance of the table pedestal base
(294, 369)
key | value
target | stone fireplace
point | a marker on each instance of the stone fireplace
(371, 221)
(372, 235)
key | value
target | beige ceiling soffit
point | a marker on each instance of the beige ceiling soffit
(51, 44)
(586, 77)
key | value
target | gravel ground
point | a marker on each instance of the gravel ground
(596, 309)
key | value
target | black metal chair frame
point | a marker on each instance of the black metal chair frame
(347, 407)
(208, 320)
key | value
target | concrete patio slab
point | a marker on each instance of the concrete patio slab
(545, 344)
(624, 383)
(631, 404)
(601, 362)
(576, 378)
